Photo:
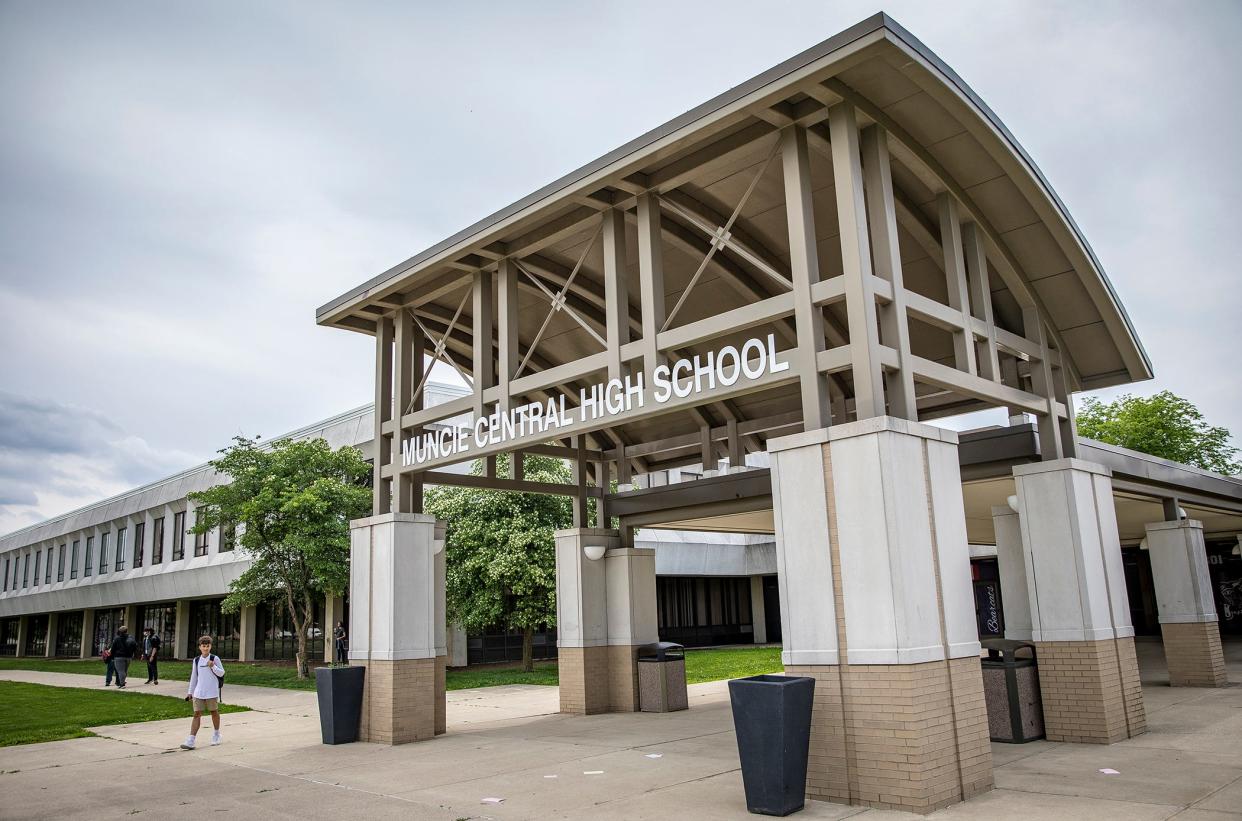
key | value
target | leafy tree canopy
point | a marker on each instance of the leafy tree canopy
(1163, 425)
(500, 553)
(291, 503)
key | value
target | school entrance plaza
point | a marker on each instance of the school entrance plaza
(752, 320)
(505, 742)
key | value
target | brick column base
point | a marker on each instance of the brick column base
(1091, 690)
(623, 678)
(908, 737)
(598, 679)
(1193, 653)
(402, 701)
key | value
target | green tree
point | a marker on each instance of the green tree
(291, 502)
(1163, 425)
(500, 553)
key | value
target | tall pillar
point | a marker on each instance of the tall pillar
(333, 611)
(181, 631)
(1011, 562)
(131, 621)
(606, 609)
(1186, 607)
(458, 646)
(246, 628)
(1080, 616)
(87, 650)
(50, 644)
(23, 630)
(758, 615)
(876, 606)
(396, 629)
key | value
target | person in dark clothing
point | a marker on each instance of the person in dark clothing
(123, 649)
(151, 652)
(341, 640)
(109, 665)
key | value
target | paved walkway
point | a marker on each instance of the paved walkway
(508, 743)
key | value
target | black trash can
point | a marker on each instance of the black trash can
(772, 717)
(662, 678)
(340, 702)
(1011, 690)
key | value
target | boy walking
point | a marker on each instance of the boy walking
(151, 652)
(205, 675)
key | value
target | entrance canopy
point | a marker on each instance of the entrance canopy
(850, 234)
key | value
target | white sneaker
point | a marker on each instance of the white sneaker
(189, 743)
(215, 738)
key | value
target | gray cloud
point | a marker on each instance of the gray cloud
(181, 185)
(53, 454)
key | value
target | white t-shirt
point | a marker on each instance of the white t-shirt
(206, 685)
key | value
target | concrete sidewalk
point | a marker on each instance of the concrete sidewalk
(508, 743)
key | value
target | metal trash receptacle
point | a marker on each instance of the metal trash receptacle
(1011, 690)
(662, 678)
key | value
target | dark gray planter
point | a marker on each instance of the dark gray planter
(340, 702)
(772, 717)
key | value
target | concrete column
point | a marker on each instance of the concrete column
(1080, 616)
(131, 621)
(181, 631)
(23, 629)
(246, 626)
(758, 615)
(876, 606)
(333, 611)
(1011, 562)
(88, 634)
(606, 609)
(50, 644)
(1186, 607)
(457, 646)
(397, 625)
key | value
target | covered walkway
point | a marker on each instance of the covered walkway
(509, 743)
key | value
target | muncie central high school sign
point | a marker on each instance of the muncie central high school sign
(602, 402)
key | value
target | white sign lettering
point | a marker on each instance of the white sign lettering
(680, 379)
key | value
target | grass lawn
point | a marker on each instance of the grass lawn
(259, 675)
(701, 665)
(34, 712)
(731, 662)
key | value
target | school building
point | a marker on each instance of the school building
(749, 321)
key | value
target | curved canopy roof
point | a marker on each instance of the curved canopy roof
(941, 136)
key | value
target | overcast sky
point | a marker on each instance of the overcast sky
(182, 184)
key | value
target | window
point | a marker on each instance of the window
(68, 634)
(178, 551)
(60, 564)
(38, 557)
(228, 536)
(73, 559)
(157, 541)
(26, 572)
(200, 539)
(120, 548)
(103, 553)
(47, 571)
(90, 552)
(140, 531)
(6, 574)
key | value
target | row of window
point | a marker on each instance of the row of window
(18, 566)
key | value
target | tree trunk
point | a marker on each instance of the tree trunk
(528, 649)
(299, 628)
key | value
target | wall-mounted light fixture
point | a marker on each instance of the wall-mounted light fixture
(1012, 501)
(594, 552)
(438, 539)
